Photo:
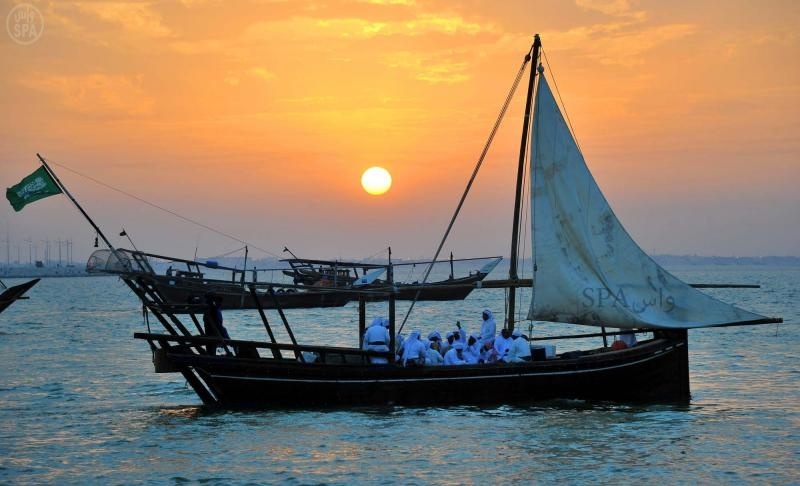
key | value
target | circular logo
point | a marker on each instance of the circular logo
(25, 24)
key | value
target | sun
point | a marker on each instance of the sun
(376, 180)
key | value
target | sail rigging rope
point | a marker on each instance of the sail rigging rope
(563, 106)
(485, 150)
(379, 252)
(189, 220)
(228, 253)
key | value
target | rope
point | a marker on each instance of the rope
(379, 252)
(486, 146)
(229, 253)
(411, 272)
(197, 223)
(563, 106)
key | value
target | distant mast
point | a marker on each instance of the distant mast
(512, 271)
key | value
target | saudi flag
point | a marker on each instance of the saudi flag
(32, 188)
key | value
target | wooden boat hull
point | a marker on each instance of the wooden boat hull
(12, 294)
(177, 290)
(654, 371)
(455, 289)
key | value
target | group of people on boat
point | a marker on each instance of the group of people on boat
(458, 347)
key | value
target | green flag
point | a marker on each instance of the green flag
(32, 188)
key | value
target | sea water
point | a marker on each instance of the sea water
(80, 403)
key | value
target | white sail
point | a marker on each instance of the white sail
(588, 269)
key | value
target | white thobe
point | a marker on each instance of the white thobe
(519, 350)
(451, 358)
(472, 353)
(501, 346)
(413, 349)
(445, 346)
(488, 327)
(433, 358)
(376, 338)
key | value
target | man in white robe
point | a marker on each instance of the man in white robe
(488, 326)
(376, 338)
(413, 350)
(447, 343)
(455, 356)
(502, 343)
(472, 353)
(432, 355)
(488, 354)
(461, 333)
(520, 350)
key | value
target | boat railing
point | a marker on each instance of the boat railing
(245, 348)
(595, 334)
(280, 287)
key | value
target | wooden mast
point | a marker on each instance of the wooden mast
(512, 272)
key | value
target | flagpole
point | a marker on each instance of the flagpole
(125, 234)
(64, 189)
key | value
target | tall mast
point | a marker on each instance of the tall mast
(512, 272)
(64, 189)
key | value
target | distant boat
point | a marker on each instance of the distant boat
(14, 293)
(181, 290)
(321, 274)
(314, 274)
(586, 270)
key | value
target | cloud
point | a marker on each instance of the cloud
(134, 17)
(389, 2)
(616, 8)
(203, 46)
(620, 43)
(406, 3)
(262, 73)
(95, 94)
(433, 69)
(311, 29)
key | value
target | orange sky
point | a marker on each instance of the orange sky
(258, 117)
